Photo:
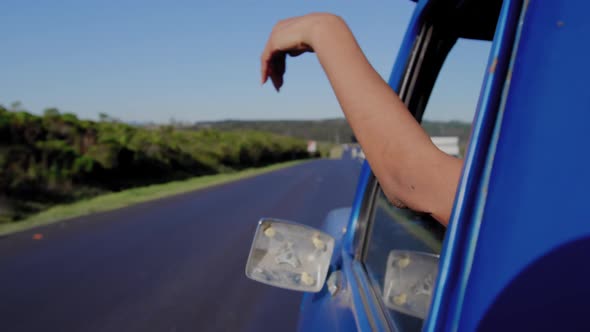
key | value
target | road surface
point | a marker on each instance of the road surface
(175, 264)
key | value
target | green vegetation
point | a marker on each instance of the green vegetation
(57, 158)
(325, 149)
(332, 130)
(128, 197)
(336, 152)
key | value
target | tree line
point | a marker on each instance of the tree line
(331, 130)
(56, 158)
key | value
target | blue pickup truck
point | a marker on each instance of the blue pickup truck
(516, 254)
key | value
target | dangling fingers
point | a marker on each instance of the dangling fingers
(277, 64)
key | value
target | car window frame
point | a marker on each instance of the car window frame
(422, 68)
(417, 77)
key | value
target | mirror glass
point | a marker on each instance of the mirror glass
(289, 255)
(409, 281)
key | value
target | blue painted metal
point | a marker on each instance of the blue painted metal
(370, 312)
(321, 311)
(395, 79)
(314, 306)
(334, 224)
(363, 181)
(498, 268)
(366, 310)
(519, 225)
(405, 50)
(533, 206)
(352, 300)
(455, 258)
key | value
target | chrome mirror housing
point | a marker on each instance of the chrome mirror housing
(289, 255)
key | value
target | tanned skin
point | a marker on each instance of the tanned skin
(411, 170)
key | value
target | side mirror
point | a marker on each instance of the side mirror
(289, 255)
(409, 281)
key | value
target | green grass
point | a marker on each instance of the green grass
(129, 197)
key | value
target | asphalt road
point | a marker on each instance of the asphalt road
(175, 264)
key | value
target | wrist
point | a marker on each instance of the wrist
(324, 25)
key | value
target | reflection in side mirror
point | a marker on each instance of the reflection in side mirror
(409, 281)
(289, 255)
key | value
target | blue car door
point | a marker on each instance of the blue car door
(376, 227)
(517, 249)
(514, 257)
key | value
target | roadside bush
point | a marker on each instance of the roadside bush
(56, 158)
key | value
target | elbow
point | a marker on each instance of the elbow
(424, 182)
(397, 181)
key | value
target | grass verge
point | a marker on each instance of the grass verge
(336, 152)
(129, 197)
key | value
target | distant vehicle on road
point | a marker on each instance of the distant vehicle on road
(447, 144)
(514, 257)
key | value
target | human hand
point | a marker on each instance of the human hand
(293, 36)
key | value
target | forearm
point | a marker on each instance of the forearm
(402, 156)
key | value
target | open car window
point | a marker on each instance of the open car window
(398, 229)
(447, 116)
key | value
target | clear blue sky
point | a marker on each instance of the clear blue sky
(197, 60)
